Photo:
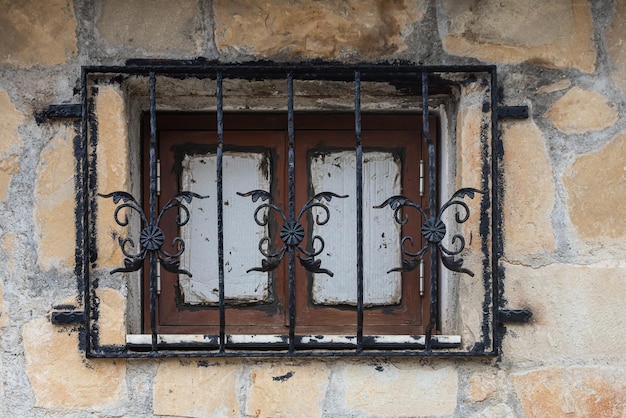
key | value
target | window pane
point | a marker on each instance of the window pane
(336, 172)
(242, 172)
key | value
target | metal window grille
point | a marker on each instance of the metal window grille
(150, 255)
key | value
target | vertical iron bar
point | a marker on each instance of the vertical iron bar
(292, 212)
(153, 203)
(359, 209)
(432, 207)
(82, 214)
(220, 209)
(497, 154)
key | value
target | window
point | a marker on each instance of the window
(312, 209)
(255, 284)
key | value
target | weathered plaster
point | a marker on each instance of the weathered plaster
(54, 194)
(10, 142)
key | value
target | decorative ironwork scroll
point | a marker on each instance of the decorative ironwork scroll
(292, 232)
(433, 230)
(151, 238)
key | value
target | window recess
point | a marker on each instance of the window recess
(291, 210)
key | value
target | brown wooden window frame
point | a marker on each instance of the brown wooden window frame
(180, 133)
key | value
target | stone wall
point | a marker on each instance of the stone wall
(564, 230)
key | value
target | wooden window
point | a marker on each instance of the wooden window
(255, 158)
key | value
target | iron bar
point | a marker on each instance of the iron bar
(220, 209)
(153, 203)
(359, 206)
(299, 353)
(82, 213)
(291, 212)
(497, 244)
(303, 70)
(432, 209)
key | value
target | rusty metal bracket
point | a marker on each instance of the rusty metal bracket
(512, 112)
(67, 317)
(59, 111)
(515, 315)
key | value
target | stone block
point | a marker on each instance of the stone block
(111, 325)
(287, 391)
(112, 172)
(54, 209)
(578, 313)
(189, 388)
(59, 374)
(400, 390)
(482, 386)
(164, 26)
(616, 38)
(555, 34)
(595, 185)
(33, 33)
(10, 141)
(528, 203)
(572, 391)
(314, 29)
(580, 111)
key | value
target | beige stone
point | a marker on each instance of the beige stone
(556, 34)
(572, 391)
(482, 386)
(529, 191)
(313, 29)
(472, 129)
(553, 87)
(111, 325)
(578, 312)
(59, 374)
(188, 388)
(164, 27)
(54, 197)
(10, 141)
(616, 43)
(113, 173)
(595, 185)
(34, 34)
(287, 391)
(400, 391)
(580, 111)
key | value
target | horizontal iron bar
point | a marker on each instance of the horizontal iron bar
(515, 315)
(117, 352)
(260, 70)
(67, 317)
(59, 111)
(512, 112)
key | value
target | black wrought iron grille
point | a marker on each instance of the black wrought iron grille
(146, 251)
